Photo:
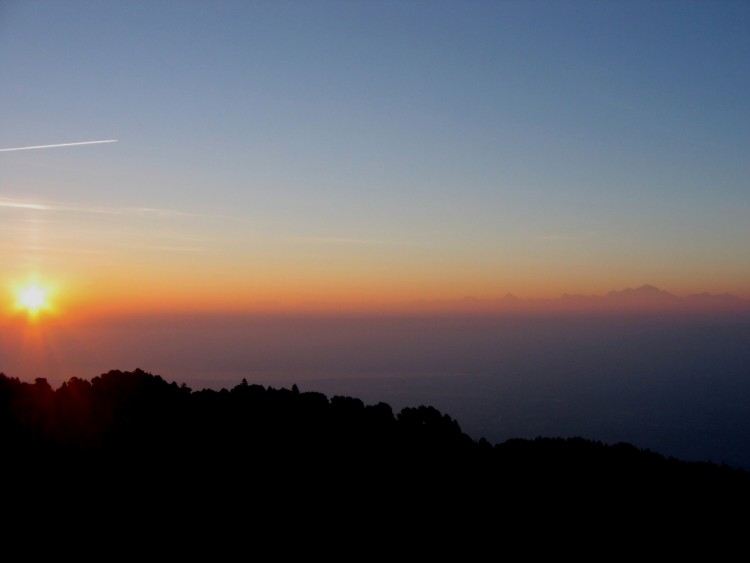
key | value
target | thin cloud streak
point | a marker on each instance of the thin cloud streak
(127, 211)
(50, 250)
(347, 241)
(163, 248)
(13, 204)
(563, 238)
(59, 145)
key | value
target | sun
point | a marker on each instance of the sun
(32, 299)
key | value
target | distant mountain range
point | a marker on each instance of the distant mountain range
(648, 294)
(643, 298)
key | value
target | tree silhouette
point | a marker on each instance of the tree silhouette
(131, 435)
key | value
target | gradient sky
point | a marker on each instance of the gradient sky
(344, 154)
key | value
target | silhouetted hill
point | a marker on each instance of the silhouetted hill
(127, 437)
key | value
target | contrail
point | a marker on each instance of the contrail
(60, 145)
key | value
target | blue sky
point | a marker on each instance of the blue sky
(530, 147)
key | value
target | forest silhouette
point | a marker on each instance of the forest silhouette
(131, 438)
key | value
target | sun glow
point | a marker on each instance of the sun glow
(33, 299)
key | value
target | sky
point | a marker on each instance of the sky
(287, 156)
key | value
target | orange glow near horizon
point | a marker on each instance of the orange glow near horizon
(144, 294)
(159, 290)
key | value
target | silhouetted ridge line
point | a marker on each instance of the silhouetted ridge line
(133, 433)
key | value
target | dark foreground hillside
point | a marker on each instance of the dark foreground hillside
(132, 441)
